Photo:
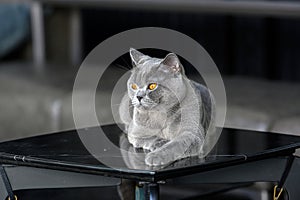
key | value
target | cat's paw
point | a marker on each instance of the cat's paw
(148, 146)
(136, 143)
(158, 158)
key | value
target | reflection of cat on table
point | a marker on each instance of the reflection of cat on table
(134, 158)
(165, 112)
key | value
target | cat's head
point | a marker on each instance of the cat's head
(155, 83)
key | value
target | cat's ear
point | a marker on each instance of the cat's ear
(136, 56)
(171, 61)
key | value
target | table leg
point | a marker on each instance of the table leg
(3, 191)
(75, 36)
(38, 33)
(293, 180)
(147, 191)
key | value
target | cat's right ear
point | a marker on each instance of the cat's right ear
(136, 56)
(172, 63)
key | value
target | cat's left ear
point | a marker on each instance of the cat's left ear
(171, 61)
(136, 56)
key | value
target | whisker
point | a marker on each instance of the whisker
(130, 105)
(128, 65)
(115, 104)
(118, 66)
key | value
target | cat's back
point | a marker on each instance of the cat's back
(202, 91)
(207, 101)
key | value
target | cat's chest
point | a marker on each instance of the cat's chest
(150, 119)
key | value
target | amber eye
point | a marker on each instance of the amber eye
(152, 86)
(134, 86)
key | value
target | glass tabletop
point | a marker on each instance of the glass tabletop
(112, 155)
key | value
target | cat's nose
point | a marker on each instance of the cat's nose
(139, 98)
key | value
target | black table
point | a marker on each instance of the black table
(61, 160)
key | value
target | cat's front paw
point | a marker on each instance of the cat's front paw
(158, 158)
(136, 143)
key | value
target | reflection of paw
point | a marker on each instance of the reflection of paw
(158, 158)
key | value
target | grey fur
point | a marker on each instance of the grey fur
(173, 119)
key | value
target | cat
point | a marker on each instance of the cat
(164, 112)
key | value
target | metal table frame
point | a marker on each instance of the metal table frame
(266, 170)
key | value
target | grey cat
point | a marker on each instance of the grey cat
(165, 112)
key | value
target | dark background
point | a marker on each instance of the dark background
(253, 46)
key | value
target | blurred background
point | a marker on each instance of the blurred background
(255, 44)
